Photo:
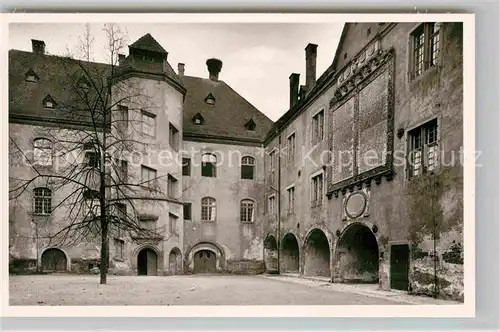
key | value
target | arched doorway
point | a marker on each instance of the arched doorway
(54, 260)
(357, 255)
(174, 261)
(205, 261)
(317, 254)
(290, 253)
(147, 262)
(271, 254)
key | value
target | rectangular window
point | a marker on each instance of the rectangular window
(92, 159)
(271, 206)
(119, 248)
(122, 119)
(187, 211)
(208, 165)
(42, 150)
(291, 147)
(247, 168)
(148, 176)
(317, 190)
(42, 201)
(121, 216)
(291, 199)
(172, 186)
(186, 166)
(149, 224)
(148, 123)
(425, 47)
(122, 170)
(272, 160)
(318, 127)
(173, 137)
(423, 149)
(173, 223)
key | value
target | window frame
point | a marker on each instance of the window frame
(291, 146)
(186, 167)
(424, 147)
(151, 182)
(247, 162)
(204, 165)
(42, 200)
(271, 208)
(210, 204)
(317, 125)
(172, 185)
(247, 206)
(143, 123)
(173, 137)
(317, 191)
(190, 205)
(41, 149)
(173, 224)
(290, 190)
(427, 48)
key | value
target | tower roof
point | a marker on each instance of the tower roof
(148, 43)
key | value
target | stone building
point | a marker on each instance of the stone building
(359, 181)
(367, 162)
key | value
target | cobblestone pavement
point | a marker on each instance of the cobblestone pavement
(62, 289)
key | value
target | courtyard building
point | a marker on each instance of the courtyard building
(359, 181)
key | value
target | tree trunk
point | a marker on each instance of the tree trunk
(103, 267)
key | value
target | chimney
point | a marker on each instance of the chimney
(214, 66)
(121, 58)
(311, 53)
(302, 92)
(38, 46)
(294, 89)
(180, 69)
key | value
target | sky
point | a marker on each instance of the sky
(258, 58)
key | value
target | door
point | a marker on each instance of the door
(204, 262)
(400, 264)
(54, 260)
(147, 261)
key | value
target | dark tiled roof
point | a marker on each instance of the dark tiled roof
(227, 117)
(148, 43)
(57, 77)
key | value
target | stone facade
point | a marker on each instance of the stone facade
(375, 223)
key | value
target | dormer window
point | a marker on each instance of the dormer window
(31, 76)
(198, 119)
(250, 125)
(49, 102)
(83, 85)
(210, 100)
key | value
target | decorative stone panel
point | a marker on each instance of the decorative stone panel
(356, 204)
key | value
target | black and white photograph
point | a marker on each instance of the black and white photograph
(171, 163)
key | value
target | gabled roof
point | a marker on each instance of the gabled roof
(148, 43)
(227, 117)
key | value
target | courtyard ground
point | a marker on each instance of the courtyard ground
(65, 289)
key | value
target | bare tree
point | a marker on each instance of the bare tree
(100, 135)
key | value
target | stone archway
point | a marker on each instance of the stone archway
(271, 254)
(357, 255)
(147, 262)
(54, 260)
(317, 254)
(205, 257)
(175, 261)
(290, 253)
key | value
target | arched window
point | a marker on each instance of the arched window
(208, 165)
(247, 167)
(208, 209)
(42, 201)
(42, 151)
(247, 208)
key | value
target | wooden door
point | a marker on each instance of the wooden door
(205, 262)
(400, 265)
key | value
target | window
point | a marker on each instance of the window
(208, 165)
(31, 76)
(318, 127)
(122, 124)
(173, 223)
(173, 137)
(423, 149)
(425, 46)
(148, 124)
(92, 158)
(247, 168)
(317, 190)
(122, 170)
(49, 102)
(186, 166)
(210, 99)
(119, 246)
(291, 199)
(148, 223)
(291, 147)
(271, 203)
(42, 201)
(272, 159)
(172, 186)
(148, 176)
(208, 209)
(92, 204)
(121, 217)
(247, 210)
(42, 151)
(198, 119)
(187, 211)
(250, 125)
